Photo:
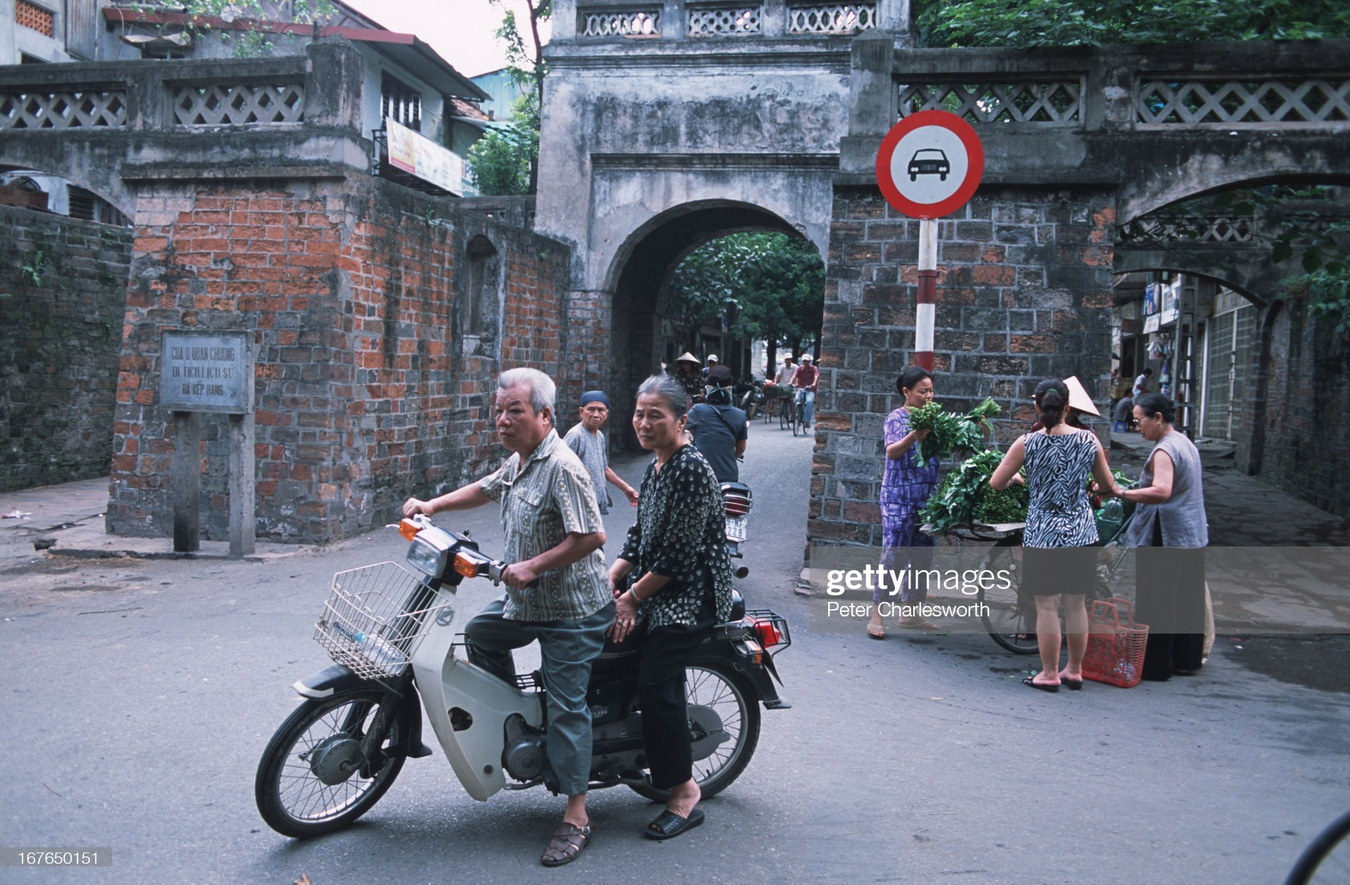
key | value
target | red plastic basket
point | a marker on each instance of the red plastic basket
(1115, 648)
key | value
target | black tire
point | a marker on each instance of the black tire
(718, 697)
(795, 422)
(314, 776)
(1008, 616)
(785, 413)
(1327, 858)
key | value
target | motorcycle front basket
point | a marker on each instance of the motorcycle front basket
(373, 617)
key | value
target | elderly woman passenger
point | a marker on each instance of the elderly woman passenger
(677, 551)
(1171, 528)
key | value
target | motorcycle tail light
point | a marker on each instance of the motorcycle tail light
(407, 529)
(767, 632)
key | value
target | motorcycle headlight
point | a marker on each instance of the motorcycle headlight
(428, 554)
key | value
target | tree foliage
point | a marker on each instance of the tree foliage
(503, 160)
(506, 160)
(1026, 23)
(766, 286)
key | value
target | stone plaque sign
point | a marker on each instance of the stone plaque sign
(207, 372)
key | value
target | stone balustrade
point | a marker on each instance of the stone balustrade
(125, 121)
(679, 20)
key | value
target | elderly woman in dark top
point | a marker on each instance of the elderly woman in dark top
(678, 552)
(1170, 524)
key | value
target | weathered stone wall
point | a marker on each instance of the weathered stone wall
(1302, 441)
(1024, 293)
(59, 338)
(368, 389)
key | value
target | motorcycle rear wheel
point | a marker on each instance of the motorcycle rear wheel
(315, 775)
(713, 685)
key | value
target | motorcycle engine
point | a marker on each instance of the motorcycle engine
(524, 756)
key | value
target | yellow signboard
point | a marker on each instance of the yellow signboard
(418, 155)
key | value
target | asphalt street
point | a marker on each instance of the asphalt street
(141, 691)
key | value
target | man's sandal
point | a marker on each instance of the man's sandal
(566, 844)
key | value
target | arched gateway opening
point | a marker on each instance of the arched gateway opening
(1237, 327)
(641, 337)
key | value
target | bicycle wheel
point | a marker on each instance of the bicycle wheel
(1008, 615)
(796, 421)
(1327, 858)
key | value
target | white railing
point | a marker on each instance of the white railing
(831, 18)
(621, 23)
(69, 109)
(1229, 102)
(725, 21)
(1058, 102)
(224, 104)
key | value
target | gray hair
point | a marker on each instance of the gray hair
(543, 392)
(670, 390)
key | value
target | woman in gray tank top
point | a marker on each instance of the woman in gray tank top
(1171, 530)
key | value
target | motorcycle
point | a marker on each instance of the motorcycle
(752, 398)
(389, 630)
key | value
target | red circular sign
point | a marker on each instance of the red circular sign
(930, 164)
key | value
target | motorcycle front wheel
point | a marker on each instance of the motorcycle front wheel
(329, 763)
(723, 723)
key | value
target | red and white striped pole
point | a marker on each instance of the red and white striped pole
(925, 308)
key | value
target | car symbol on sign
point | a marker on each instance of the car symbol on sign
(929, 161)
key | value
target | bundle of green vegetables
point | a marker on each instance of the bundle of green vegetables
(964, 497)
(951, 433)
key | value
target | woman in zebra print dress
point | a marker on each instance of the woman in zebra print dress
(1059, 558)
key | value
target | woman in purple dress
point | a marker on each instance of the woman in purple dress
(905, 487)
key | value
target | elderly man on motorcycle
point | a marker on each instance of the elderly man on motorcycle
(557, 584)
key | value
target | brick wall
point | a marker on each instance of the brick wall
(59, 337)
(367, 389)
(1024, 293)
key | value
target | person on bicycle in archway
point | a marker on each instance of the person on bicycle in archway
(805, 380)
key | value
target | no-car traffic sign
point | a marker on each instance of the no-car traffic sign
(930, 164)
